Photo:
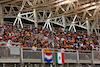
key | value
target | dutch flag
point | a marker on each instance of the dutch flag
(48, 57)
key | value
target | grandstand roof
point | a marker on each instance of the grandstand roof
(61, 7)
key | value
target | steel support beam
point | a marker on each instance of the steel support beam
(35, 18)
(73, 24)
(1, 15)
(88, 26)
(64, 21)
(19, 15)
(47, 23)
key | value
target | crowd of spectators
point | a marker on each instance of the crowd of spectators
(37, 37)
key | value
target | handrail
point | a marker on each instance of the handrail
(77, 56)
(3, 42)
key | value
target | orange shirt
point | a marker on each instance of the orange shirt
(45, 49)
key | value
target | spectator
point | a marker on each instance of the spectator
(9, 43)
(60, 39)
(34, 48)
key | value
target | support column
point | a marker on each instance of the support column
(35, 18)
(63, 19)
(1, 15)
(4, 65)
(92, 59)
(42, 59)
(21, 56)
(15, 65)
(31, 27)
(88, 27)
(78, 63)
(29, 65)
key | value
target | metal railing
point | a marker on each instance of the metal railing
(5, 53)
(71, 56)
(32, 54)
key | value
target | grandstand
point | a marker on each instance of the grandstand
(49, 33)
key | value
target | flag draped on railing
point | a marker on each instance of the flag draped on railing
(59, 58)
(48, 57)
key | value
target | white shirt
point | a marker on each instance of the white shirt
(9, 34)
(62, 39)
(57, 38)
(62, 50)
(63, 29)
(81, 44)
(53, 44)
(34, 48)
(45, 38)
(92, 45)
(9, 43)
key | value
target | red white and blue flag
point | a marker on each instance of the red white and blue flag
(48, 57)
